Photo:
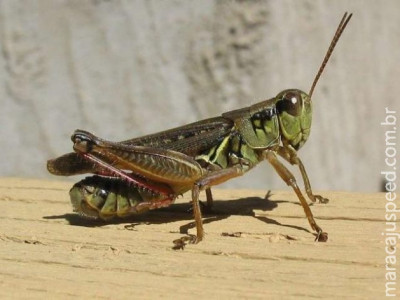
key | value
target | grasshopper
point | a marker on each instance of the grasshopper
(149, 172)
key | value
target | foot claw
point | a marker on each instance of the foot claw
(321, 199)
(321, 236)
(180, 244)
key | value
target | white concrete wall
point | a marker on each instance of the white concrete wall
(122, 69)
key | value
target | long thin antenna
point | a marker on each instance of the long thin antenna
(338, 33)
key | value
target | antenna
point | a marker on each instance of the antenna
(338, 33)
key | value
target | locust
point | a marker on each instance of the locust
(150, 172)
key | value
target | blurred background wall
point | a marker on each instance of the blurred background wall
(121, 69)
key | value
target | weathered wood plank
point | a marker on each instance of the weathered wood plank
(47, 251)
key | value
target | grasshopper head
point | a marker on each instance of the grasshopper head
(295, 114)
(294, 106)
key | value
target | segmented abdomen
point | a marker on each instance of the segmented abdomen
(101, 197)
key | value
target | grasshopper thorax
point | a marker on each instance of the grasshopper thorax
(295, 115)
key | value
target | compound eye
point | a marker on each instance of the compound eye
(291, 103)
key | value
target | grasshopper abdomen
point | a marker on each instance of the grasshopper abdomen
(99, 197)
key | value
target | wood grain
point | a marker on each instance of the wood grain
(254, 248)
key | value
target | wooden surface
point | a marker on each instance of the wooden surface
(254, 248)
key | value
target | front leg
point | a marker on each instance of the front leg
(290, 155)
(290, 180)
